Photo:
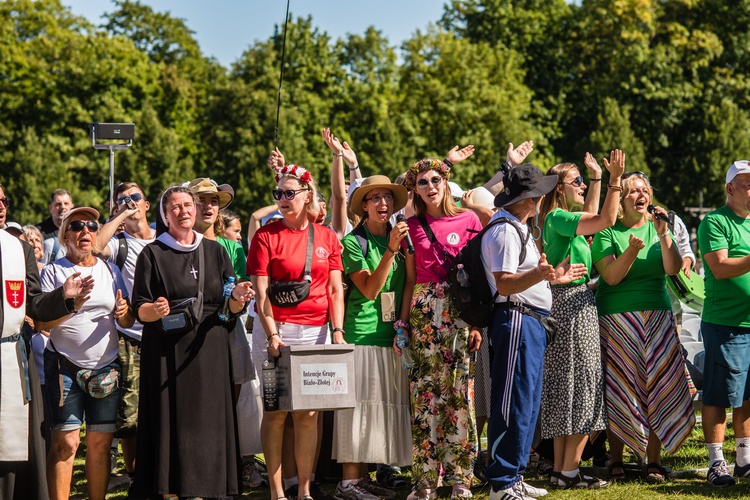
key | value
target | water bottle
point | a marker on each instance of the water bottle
(227, 294)
(402, 341)
(463, 279)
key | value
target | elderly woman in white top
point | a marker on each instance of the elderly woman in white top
(82, 356)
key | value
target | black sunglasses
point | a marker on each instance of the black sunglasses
(135, 197)
(423, 183)
(631, 174)
(377, 198)
(288, 194)
(578, 181)
(5, 201)
(78, 225)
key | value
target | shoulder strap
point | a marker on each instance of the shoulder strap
(122, 251)
(310, 244)
(55, 248)
(427, 229)
(359, 234)
(524, 239)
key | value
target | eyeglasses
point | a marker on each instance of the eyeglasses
(78, 225)
(5, 201)
(577, 182)
(377, 198)
(135, 198)
(435, 181)
(631, 174)
(288, 194)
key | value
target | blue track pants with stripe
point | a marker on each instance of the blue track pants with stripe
(518, 342)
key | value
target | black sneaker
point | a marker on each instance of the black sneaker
(741, 471)
(388, 478)
(718, 475)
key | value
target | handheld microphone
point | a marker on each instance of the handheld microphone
(663, 217)
(407, 239)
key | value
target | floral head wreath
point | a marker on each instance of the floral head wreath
(423, 165)
(295, 171)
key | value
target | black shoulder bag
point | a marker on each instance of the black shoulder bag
(291, 293)
(186, 315)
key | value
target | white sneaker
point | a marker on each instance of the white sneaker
(353, 492)
(531, 491)
(511, 493)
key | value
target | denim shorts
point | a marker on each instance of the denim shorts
(100, 414)
(725, 371)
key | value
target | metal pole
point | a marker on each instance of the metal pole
(111, 178)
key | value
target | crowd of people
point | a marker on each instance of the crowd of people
(155, 333)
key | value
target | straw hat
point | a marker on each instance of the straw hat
(400, 195)
(204, 185)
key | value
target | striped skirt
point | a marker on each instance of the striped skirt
(647, 385)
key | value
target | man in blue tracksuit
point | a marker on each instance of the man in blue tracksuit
(517, 334)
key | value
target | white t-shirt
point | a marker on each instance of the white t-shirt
(88, 338)
(501, 250)
(135, 246)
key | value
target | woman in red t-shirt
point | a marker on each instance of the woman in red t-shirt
(277, 254)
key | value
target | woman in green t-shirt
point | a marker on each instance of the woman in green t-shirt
(572, 390)
(647, 388)
(378, 429)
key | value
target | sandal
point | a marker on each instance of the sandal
(655, 473)
(616, 476)
(582, 481)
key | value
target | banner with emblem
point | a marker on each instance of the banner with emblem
(14, 410)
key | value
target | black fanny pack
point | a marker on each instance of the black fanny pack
(549, 324)
(291, 293)
(186, 314)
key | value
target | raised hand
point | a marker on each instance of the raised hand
(516, 156)
(331, 141)
(616, 164)
(456, 155)
(349, 156)
(660, 226)
(635, 243)
(565, 272)
(121, 305)
(595, 171)
(276, 160)
(545, 269)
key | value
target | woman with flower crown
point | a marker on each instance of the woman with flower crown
(443, 431)
(277, 254)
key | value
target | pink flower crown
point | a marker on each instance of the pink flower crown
(423, 165)
(295, 171)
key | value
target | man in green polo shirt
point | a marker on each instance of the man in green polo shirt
(724, 241)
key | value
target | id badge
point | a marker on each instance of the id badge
(388, 306)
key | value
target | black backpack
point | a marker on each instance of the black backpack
(475, 303)
(122, 251)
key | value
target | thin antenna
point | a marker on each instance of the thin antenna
(281, 78)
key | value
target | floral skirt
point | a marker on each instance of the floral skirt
(443, 428)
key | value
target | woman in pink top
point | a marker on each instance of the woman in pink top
(443, 431)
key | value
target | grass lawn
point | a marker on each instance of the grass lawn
(693, 455)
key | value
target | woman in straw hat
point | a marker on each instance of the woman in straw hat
(378, 429)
